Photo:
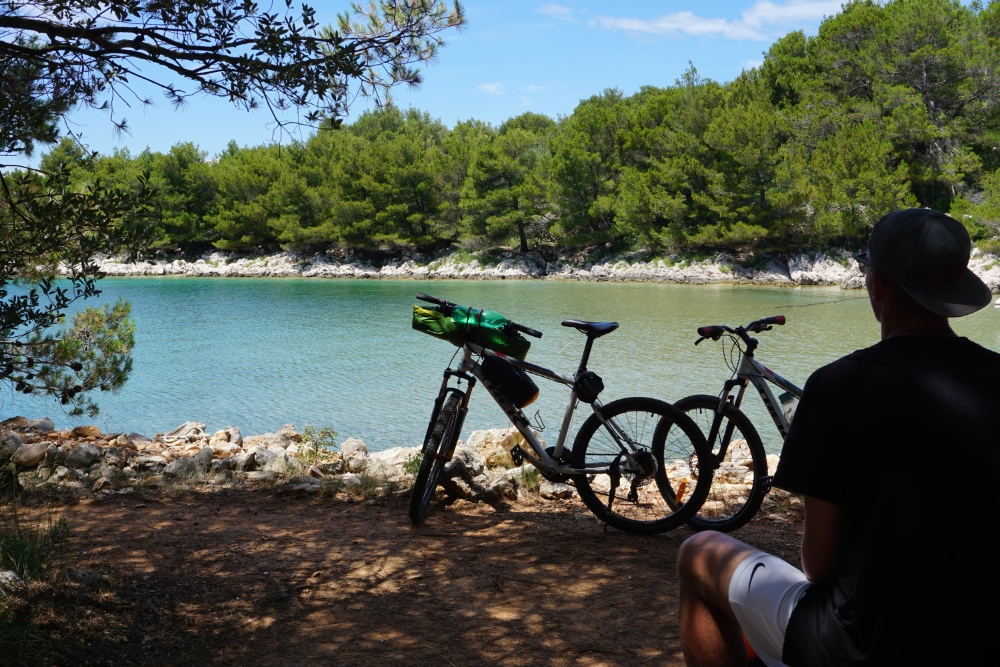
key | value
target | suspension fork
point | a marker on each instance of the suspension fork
(713, 433)
(463, 406)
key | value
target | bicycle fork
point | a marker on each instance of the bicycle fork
(713, 434)
(724, 399)
(463, 410)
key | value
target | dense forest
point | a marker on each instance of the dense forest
(889, 105)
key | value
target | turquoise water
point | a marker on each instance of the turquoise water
(259, 353)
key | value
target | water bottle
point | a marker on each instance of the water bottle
(788, 405)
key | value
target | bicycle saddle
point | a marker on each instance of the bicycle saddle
(592, 329)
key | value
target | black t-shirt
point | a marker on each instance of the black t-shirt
(905, 437)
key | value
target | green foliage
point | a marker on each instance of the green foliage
(60, 53)
(504, 194)
(412, 465)
(317, 441)
(57, 55)
(67, 363)
(890, 105)
(529, 478)
(47, 222)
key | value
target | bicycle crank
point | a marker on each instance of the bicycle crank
(564, 459)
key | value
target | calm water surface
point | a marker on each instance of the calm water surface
(259, 353)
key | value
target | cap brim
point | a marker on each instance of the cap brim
(964, 297)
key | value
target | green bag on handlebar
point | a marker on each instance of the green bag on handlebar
(482, 327)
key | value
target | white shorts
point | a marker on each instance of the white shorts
(763, 592)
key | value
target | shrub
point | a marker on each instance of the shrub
(412, 464)
(989, 246)
(316, 441)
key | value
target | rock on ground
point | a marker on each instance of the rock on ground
(28, 455)
(9, 581)
(555, 491)
(299, 486)
(355, 455)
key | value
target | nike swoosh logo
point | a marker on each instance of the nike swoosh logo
(753, 572)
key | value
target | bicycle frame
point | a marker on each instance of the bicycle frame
(471, 371)
(753, 372)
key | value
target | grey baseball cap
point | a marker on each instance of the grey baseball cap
(927, 253)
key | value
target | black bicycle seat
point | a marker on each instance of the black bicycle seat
(592, 329)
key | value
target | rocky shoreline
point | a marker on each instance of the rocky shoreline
(85, 460)
(835, 267)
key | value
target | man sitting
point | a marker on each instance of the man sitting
(896, 449)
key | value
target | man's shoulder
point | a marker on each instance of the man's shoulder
(902, 355)
(842, 370)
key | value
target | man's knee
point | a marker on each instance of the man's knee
(697, 548)
(706, 563)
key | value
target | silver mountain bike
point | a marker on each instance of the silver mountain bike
(740, 478)
(631, 460)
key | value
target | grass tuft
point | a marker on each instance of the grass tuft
(27, 547)
(412, 464)
(529, 478)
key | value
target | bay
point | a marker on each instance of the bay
(260, 353)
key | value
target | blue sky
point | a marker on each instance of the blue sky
(515, 56)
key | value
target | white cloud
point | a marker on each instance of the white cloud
(492, 88)
(755, 23)
(561, 12)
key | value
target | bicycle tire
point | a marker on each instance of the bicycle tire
(435, 451)
(731, 502)
(656, 426)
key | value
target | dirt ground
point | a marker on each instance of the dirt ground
(246, 578)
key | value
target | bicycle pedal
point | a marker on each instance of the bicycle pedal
(766, 487)
(517, 455)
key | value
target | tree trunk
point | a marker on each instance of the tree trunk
(521, 235)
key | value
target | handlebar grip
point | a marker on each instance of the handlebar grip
(526, 330)
(711, 332)
(777, 319)
(433, 299)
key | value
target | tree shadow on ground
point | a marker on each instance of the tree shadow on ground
(245, 578)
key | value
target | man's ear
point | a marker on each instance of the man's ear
(877, 293)
(878, 285)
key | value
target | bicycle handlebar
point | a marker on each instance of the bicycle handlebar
(711, 332)
(715, 331)
(448, 304)
(434, 299)
(767, 321)
(526, 330)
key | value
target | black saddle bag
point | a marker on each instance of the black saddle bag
(514, 384)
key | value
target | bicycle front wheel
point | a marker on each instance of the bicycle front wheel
(435, 454)
(641, 497)
(739, 483)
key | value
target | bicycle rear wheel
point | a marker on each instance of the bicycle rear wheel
(739, 483)
(636, 500)
(435, 453)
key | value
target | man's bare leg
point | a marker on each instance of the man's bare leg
(710, 635)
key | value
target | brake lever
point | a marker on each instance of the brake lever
(699, 340)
